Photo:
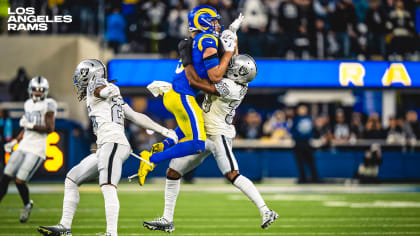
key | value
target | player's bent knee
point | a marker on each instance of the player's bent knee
(232, 175)
(19, 181)
(172, 174)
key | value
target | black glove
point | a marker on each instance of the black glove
(185, 51)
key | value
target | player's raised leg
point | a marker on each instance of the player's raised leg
(191, 123)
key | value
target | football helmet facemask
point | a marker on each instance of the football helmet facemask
(38, 88)
(242, 69)
(85, 72)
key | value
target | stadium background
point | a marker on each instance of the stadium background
(377, 99)
(358, 76)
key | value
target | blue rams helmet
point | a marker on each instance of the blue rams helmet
(200, 18)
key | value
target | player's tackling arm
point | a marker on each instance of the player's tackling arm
(147, 123)
(198, 83)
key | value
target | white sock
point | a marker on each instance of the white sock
(171, 194)
(249, 189)
(70, 202)
(112, 208)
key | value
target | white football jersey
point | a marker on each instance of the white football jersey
(107, 115)
(33, 141)
(220, 111)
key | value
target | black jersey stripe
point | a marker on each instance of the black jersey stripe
(232, 168)
(32, 172)
(110, 161)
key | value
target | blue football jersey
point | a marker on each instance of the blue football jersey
(180, 82)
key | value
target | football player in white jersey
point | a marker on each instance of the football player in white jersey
(107, 111)
(38, 121)
(218, 115)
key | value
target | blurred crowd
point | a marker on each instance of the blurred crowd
(280, 126)
(291, 29)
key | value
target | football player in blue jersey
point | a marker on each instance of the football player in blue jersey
(180, 100)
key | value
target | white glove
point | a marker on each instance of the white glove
(159, 87)
(24, 123)
(9, 146)
(236, 24)
(109, 91)
(228, 40)
(169, 133)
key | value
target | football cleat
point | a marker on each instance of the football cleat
(157, 147)
(145, 168)
(54, 230)
(268, 218)
(161, 224)
(26, 212)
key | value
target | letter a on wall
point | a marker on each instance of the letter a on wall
(396, 73)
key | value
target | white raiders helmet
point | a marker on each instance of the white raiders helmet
(85, 72)
(242, 69)
(40, 84)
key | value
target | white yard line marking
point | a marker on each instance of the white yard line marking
(244, 219)
(186, 226)
(265, 233)
(374, 204)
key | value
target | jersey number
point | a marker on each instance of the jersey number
(229, 117)
(93, 119)
(117, 111)
(34, 117)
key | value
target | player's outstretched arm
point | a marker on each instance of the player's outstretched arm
(9, 145)
(215, 68)
(144, 121)
(216, 73)
(106, 91)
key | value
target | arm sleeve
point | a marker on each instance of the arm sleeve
(141, 119)
(211, 61)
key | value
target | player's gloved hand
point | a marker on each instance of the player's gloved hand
(109, 91)
(169, 133)
(236, 24)
(9, 146)
(24, 123)
(228, 39)
(185, 51)
(157, 147)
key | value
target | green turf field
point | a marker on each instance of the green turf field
(219, 210)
